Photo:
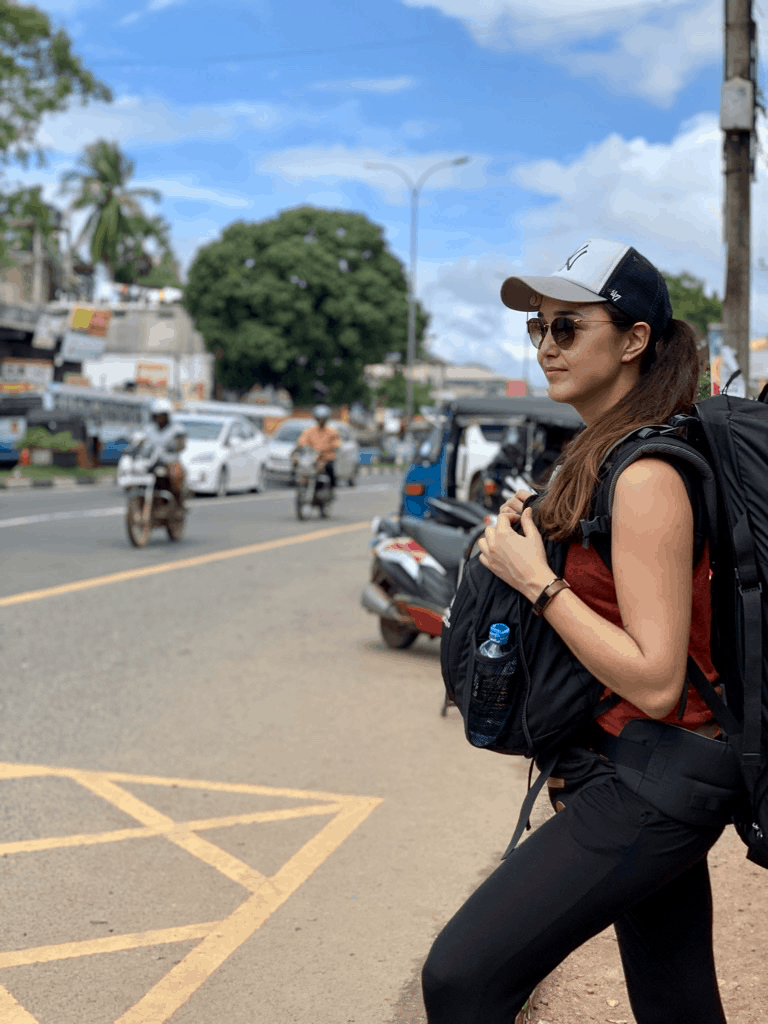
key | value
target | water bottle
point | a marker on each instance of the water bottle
(497, 644)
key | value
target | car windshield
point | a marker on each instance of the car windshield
(290, 432)
(201, 430)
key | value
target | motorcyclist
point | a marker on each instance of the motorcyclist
(324, 440)
(169, 437)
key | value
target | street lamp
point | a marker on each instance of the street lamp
(415, 188)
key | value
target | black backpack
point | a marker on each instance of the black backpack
(539, 696)
(723, 445)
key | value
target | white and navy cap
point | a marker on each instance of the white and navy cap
(599, 271)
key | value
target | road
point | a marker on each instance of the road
(224, 800)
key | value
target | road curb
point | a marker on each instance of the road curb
(57, 481)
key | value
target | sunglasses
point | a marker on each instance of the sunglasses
(563, 330)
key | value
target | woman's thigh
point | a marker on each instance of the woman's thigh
(579, 872)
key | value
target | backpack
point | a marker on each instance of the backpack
(539, 696)
(721, 451)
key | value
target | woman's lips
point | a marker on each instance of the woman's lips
(554, 369)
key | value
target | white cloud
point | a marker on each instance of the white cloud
(152, 6)
(647, 47)
(665, 199)
(134, 121)
(380, 85)
(337, 163)
(181, 187)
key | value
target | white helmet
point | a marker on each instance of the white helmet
(321, 412)
(161, 406)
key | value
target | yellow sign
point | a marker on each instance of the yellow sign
(92, 321)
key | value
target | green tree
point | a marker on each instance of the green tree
(20, 212)
(304, 301)
(116, 222)
(690, 302)
(145, 256)
(392, 392)
(39, 75)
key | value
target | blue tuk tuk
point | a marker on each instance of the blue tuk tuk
(467, 435)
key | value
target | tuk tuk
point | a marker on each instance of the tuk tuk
(469, 434)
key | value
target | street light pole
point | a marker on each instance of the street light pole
(415, 189)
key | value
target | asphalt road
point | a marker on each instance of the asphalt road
(223, 800)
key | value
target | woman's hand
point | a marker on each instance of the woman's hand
(513, 507)
(518, 559)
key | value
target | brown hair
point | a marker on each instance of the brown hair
(668, 382)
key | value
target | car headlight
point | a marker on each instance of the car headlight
(203, 457)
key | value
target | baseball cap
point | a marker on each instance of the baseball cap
(599, 271)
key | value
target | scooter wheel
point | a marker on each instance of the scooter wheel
(136, 528)
(396, 635)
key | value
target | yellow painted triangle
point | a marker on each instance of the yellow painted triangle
(215, 941)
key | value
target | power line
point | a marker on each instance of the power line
(274, 55)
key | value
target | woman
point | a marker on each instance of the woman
(608, 345)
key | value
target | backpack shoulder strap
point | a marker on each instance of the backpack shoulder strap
(660, 442)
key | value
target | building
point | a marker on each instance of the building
(153, 349)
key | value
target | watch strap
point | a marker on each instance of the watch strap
(552, 588)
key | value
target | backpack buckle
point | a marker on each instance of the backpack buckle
(600, 524)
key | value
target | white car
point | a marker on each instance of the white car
(282, 443)
(222, 454)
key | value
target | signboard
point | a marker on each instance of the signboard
(78, 346)
(37, 372)
(90, 321)
(515, 388)
(152, 375)
(47, 330)
(723, 364)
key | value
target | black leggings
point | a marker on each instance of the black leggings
(608, 858)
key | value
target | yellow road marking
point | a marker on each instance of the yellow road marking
(218, 939)
(226, 863)
(107, 944)
(172, 991)
(12, 1012)
(201, 825)
(183, 563)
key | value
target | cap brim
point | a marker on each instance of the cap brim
(526, 293)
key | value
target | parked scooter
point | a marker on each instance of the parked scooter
(143, 475)
(313, 487)
(416, 567)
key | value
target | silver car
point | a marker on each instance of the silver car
(277, 466)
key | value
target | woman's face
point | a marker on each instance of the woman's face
(601, 365)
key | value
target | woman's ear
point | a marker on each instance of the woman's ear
(635, 342)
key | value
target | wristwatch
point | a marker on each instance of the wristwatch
(553, 587)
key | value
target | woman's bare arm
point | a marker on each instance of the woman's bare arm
(652, 555)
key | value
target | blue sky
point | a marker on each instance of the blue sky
(581, 117)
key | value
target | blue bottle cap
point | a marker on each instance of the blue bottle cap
(499, 633)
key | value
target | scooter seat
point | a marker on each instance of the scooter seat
(446, 544)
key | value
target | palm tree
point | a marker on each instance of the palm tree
(100, 184)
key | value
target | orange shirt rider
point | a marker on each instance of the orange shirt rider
(324, 439)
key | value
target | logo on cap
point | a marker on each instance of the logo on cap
(576, 255)
(615, 295)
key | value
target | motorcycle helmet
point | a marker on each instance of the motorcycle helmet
(321, 413)
(161, 407)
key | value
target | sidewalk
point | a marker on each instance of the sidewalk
(588, 987)
(13, 483)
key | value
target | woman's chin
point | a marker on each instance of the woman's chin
(558, 389)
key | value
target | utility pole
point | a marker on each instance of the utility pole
(737, 120)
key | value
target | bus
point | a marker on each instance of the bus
(109, 418)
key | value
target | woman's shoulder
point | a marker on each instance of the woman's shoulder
(652, 488)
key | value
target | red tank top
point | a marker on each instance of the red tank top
(592, 581)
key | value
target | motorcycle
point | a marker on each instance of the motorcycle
(417, 565)
(313, 487)
(142, 473)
